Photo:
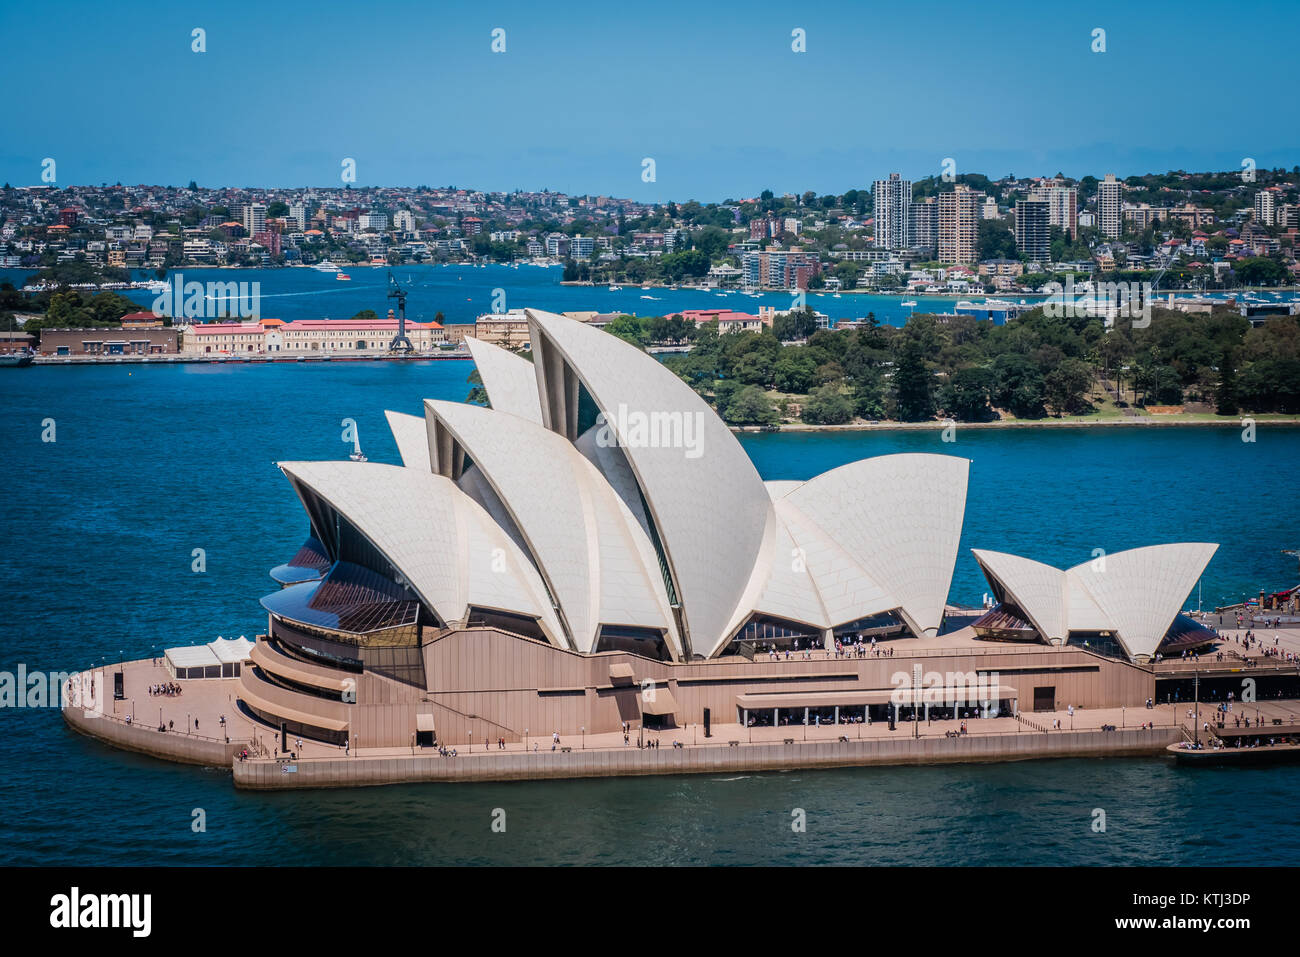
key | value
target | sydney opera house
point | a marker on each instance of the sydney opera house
(596, 549)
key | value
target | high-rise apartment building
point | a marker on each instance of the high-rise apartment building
(1110, 206)
(893, 206)
(924, 223)
(959, 218)
(1062, 206)
(1265, 208)
(1033, 230)
(255, 218)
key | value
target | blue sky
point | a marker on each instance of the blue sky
(712, 91)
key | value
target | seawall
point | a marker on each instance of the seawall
(707, 759)
(170, 746)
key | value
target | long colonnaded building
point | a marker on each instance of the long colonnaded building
(306, 337)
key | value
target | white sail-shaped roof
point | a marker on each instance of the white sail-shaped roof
(599, 564)
(447, 547)
(706, 500)
(1133, 594)
(612, 463)
(789, 589)
(508, 379)
(900, 518)
(1141, 590)
(412, 441)
(845, 589)
(1038, 590)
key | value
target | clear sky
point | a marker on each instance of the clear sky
(712, 91)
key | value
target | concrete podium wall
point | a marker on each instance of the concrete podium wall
(708, 759)
(169, 745)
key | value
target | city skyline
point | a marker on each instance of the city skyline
(578, 106)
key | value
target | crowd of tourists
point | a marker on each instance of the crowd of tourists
(859, 647)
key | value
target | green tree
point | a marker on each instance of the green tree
(1271, 385)
(1018, 386)
(1260, 271)
(794, 371)
(1226, 395)
(1067, 386)
(869, 395)
(913, 395)
(827, 406)
(965, 396)
(750, 405)
(994, 240)
(627, 328)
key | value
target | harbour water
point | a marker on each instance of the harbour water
(150, 463)
(463, 292)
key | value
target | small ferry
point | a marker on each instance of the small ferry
(342, 277)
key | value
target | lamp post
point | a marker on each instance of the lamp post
(525, 740)
(583, 729)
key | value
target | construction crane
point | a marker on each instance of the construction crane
(400, 342)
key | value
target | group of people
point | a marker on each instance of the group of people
(170, 689)
(858, 647)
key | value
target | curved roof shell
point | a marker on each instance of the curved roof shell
(1142, 589)
(1134, 594)
(705, 498)
(449, 550)
(411, 438)
(1038, 590)
(508, 379)
(899, 518)
(599, 564)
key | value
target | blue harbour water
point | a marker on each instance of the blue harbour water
(462, 292)
(152, 462)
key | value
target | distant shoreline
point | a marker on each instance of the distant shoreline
(1067, 423)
